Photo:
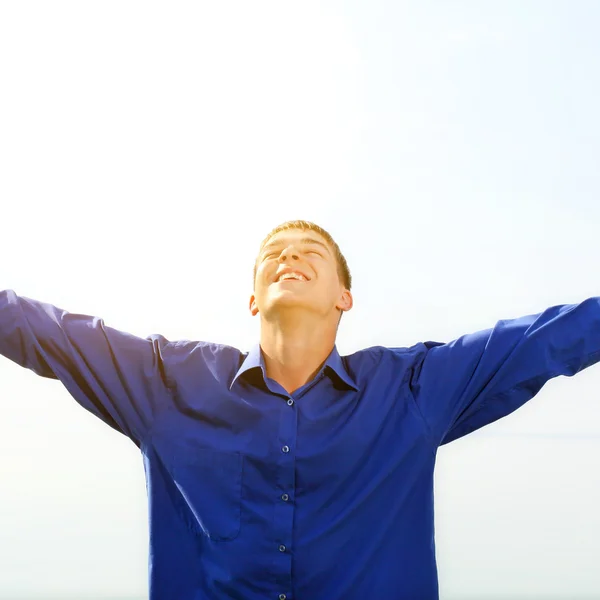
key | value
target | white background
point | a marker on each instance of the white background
(451, 149)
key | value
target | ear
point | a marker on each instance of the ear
(252, 306)
(346, 301)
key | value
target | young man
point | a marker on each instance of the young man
(290, 472)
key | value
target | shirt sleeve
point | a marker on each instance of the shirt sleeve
(481, 377)
(116, 376)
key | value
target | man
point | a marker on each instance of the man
(290, 472)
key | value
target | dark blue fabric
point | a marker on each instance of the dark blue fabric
(253, 496)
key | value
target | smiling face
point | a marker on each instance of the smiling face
(298, 270)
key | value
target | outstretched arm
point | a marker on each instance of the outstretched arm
(481, 377)
(117, 376)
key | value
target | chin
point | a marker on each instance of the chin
(286, 303)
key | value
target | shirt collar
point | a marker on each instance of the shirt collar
(334, 362)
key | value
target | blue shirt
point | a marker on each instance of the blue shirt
(323, 494)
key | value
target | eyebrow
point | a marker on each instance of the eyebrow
(305, 240)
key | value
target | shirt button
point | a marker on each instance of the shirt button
(286, 449)
(282, 596)
(290, 401)
(285, 497)
(282, 548)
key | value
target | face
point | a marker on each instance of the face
(315, 287)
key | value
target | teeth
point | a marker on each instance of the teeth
(292, 276)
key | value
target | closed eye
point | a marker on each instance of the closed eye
(275, 253)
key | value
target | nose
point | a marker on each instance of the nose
(289, 251)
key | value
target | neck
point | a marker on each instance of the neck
(295, 347)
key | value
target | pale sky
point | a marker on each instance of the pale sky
(450, 148)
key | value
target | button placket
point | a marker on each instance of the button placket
(284, 510)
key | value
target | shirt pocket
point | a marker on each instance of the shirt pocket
(210, 482)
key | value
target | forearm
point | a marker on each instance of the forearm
(28, 329)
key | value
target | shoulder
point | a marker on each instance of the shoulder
(378, 359)
(199, 356)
